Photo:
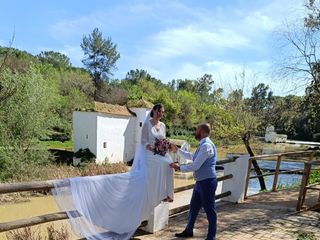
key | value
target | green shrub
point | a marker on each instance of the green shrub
(314, 177)
(85, 155)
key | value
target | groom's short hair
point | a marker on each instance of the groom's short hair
(206, 128)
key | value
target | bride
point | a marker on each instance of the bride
(160, 176)
(112, 206)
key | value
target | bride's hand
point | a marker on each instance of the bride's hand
(150, 147)
(174, 166)
(173, 148)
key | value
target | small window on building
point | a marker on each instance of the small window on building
(140, 124)
(104, 144)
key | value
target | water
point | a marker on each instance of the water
(35, 207)
(284, 180)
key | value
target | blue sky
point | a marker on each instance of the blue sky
(170, 39)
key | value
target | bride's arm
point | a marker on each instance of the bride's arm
(164, 130)
(145, 137)
(184, 154)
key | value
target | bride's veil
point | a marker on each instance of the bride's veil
(106, 206)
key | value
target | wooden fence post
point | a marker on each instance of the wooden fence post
(248, 178)
(304, 183)
(276, 175)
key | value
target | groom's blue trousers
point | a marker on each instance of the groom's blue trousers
(204, 196)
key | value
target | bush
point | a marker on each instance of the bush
(314, 177)
(189, 138)
(19, 164)
(85, 155)
(316, 137)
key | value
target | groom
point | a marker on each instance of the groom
(203, 166)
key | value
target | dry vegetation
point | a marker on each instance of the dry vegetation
(29, 234)
(52, 171)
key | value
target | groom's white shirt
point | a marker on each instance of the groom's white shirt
(204, 152)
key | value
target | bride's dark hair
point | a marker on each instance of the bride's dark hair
(156, 108)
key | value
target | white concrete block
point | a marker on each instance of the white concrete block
(159, 218)
(236, 184)
(219, 188)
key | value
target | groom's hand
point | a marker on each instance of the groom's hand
(175, 166)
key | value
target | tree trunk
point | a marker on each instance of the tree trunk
(245, 139)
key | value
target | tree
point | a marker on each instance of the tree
(204, 85)
(24, 118)
(302, 61)
(260, 98)
(259, 104)
(100, 59)
(58, 60)
(201, 86)
(134, 76)
(16, 60)
(186, 85)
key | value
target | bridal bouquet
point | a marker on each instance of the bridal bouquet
(161, 146)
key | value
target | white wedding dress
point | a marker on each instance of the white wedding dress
(113, 206)
(160, 175)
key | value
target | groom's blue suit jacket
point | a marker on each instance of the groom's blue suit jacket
(208, 168)
(204, 160)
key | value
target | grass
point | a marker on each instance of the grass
(306, 236)
(288, 186)
(57, 144)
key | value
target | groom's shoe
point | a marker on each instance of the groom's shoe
(184, 234)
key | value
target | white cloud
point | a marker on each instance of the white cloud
(219, 41)
(176, 40)
(64, 29)
(257, 20)
(194, 41)
(75, 54)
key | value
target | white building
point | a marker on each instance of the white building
(110, 132)
(272, 137)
